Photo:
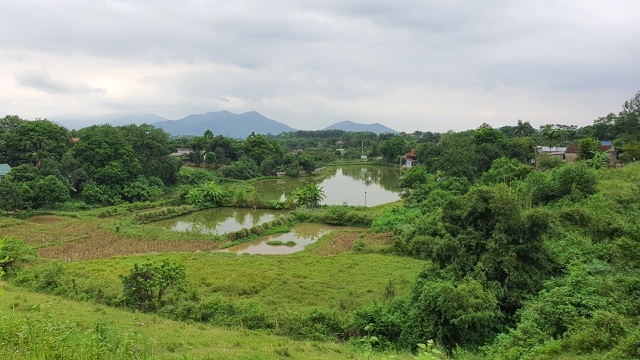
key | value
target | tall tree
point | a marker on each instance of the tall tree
(33, 141)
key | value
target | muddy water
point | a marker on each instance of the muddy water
(219, 220)
(302, 234)
(351, 185)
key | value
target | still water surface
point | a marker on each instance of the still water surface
(302, 234)
(342, 185)
(219, 220)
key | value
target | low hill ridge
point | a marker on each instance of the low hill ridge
(349, 125)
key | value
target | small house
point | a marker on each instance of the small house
(180, 152)
(4, 170)
(606, 147)
(409, 159)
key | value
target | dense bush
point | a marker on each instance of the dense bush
(14, 254)
(146, 285)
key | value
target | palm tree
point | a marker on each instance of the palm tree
(550, 134)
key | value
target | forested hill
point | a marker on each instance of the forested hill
(348, 125)
(225, 123)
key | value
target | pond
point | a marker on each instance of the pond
(302, 235)
(219, 220)
(350, 185)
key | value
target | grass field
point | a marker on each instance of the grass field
(341, 272)
(35, 324)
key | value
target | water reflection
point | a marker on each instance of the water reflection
(302, 234)
(346, 184)
(218, 221)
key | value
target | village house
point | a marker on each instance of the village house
(570, 153)
(409, 160)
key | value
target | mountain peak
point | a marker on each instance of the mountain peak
(348, 125)
(224, 123)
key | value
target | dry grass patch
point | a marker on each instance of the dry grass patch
(103, 247)
(48, 219)
(337, 242)
(380, 239)
(76, 240)
(343, 241)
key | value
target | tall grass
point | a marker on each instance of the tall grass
(33, 336)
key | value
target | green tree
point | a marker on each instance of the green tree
(106, 157)
(146, 285)
(414, 177)
(34, 141)
(587, 148)
(14, 254)
(50, 192)
(504, 170)
(258, 148)
(393, 149)
(460, 313)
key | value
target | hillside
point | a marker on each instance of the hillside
(73, 330)
(348, 125)
(224, 123)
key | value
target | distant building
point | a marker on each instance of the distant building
(181, 151)
(4, 170)
(605, 147)
(557, 151)
(570, 153)
(410, 160)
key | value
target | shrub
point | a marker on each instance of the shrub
(145, 285)
(14, 253)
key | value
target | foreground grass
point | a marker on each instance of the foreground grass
(37, 326)
(344, 281)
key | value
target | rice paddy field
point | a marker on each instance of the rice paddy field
(330, 275)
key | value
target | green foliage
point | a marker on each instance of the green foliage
(32, 142)
(462, 313)
(548, 162)
(195, 176)
(40, 337)
(395, 219)
(146, 285)
(414, 177)
(243, 169)
(309, 195)
(14, 254)
(393, 149)
(337, 215)
(505, 171)
(587, 148)
(205, 195)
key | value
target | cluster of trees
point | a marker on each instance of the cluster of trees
(522, 263)
(257, 156)
(99, 164)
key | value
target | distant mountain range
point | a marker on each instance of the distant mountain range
(220, 123)
(224, 123)
(348, 125)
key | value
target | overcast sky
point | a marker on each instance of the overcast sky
(430, 65)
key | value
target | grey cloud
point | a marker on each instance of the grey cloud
(341, 51)
(44, 82)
